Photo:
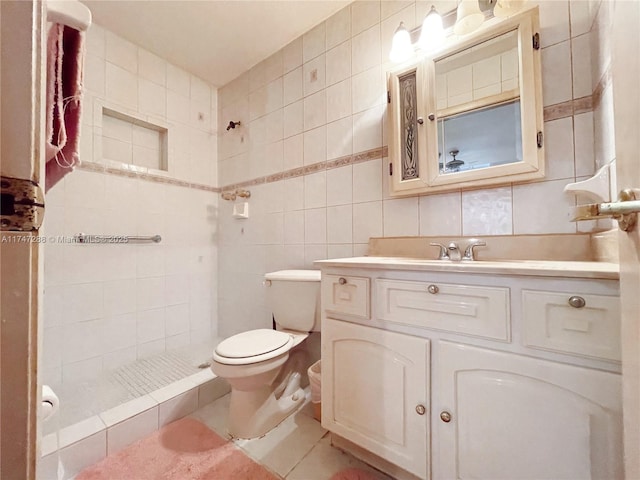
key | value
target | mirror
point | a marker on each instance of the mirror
(469, 115)
(478, 106)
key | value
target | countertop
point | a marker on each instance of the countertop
(538, 268)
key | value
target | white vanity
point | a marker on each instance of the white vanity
(484, 370)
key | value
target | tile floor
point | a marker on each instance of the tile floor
(297, 449)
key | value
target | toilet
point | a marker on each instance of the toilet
(265, 367)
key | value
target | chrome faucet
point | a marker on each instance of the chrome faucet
(469, 253)
(454, 252)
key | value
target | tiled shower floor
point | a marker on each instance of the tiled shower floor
(79, 401)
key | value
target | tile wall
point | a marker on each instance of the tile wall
(105, 305)
(323, 97)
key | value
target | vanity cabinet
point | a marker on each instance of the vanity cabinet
(473, 375)
(377, 391)
(506, 416)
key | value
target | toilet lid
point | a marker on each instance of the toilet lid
(252, 343)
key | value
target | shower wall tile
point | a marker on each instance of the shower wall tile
(114, 303)
(338, 27)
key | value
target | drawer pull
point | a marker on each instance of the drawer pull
(577, 302)
(420, 409)
(433, 289)
(342, 280)
(445, 417)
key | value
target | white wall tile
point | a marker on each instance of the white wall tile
(293, 119)
(293, 152)
(125, 433)
(554, 21)
(315, 226)
(487, 212)
(151, 67)
(400, 217)
(178, 407)
(580, 17)
(559, 149)
(339, 138)
(339, 100)
(441, 214)
(315, 190)
(122, 52)
(583, 139)
(294, 188)
(121, 86)
(315, 145)
(84, 453)
(340, 185)
(364, 14)
(292, 55)
(338, 27)
(339, 224)
(314, 75)
(315, 110)
(367, 181)
(293, 86)
(367, 129)
(178, 80)
(313, 42)
(581, 63)
(556, 73)
(294, 227)
(365, 50)
(529, 218)
(367, 90)
(150, 325)
(338, 63)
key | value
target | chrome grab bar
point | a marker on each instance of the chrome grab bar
(84, 238)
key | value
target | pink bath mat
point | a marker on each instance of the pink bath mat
(183, 450)
(353, 474)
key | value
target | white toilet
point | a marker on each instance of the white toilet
(263, 366)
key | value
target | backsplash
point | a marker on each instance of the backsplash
(322, 98)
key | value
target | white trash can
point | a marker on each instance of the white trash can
(315, 380)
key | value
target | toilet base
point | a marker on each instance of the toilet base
(253, 414)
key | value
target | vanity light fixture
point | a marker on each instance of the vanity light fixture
(401, 48)
(432, 31)
(468, 17)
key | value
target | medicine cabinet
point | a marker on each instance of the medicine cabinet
(470, 115)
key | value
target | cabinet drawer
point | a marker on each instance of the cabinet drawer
(551, 323)
(471, 310)
(346, 295)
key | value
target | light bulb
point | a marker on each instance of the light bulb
(432, 31)
(468, 17)
(401, 48)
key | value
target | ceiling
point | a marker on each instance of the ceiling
(216, 40)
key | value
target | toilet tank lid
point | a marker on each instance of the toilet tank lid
(294, 275)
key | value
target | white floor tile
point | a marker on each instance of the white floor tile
(324, 461)
(286, 445)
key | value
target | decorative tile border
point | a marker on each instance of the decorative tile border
(359, 157)
(579, 105)
(131, 171)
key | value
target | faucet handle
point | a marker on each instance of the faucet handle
(469, 252)
(443, 255)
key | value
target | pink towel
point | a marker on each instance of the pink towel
(65, 55)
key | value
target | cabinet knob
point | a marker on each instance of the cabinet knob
(431, 117)
(420, 120)
(420, 409)
(577, 302)
(342, 280)
(433, 289)
(445, 416)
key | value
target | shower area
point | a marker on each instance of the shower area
(130, 261)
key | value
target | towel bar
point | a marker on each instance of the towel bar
(84, 238)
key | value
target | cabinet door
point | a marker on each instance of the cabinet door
(514, 417)
(374, 385)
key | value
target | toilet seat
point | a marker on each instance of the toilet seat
(252, 347)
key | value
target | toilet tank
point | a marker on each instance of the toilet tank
(294, 299)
